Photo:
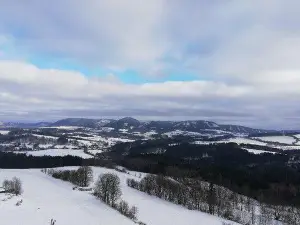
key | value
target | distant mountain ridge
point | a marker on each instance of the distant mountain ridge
(133, 125)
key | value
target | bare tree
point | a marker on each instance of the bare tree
(13, 186)
(108, 188)
(85, 174)
(7, 185)
(132, 213)
(123, 207)
(17, 186)
(211, 198)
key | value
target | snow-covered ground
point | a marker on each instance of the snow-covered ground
(280, 139)
(255, 151)
(95, 139)
(57, 152)
(4, 132)
(181, 132)
(241, 140)
(297, 136)
(245, 141)
(63, 127)
(238, 140)
(46, 198)
(95, 151)
(44, 136)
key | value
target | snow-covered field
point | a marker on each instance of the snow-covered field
(280, 139)
(57, 152)
(260, 141)
(4, 132)
(180, 132)
(245, 141)
(238, 140)
(297, 136)
(63, 127)
(46, 198)
(255, 151)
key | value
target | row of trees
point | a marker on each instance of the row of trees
(82, 177)
(216, 200)
(13, 186)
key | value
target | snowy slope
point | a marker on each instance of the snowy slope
(45, 197)
(245, 141)
(255, 151)
(280, 139)
(154, 211)
(4, 132)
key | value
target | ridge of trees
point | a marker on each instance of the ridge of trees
(216, 200)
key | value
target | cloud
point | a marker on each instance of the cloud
(111, 33)
(30, 93)
(244, 53)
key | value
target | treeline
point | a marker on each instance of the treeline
(268, 182)
(82, 177)
(22, 161)
(268, 177)
(9, 160)
(216, 200)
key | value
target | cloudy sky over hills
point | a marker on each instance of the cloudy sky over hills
(221, 60)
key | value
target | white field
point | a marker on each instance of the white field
(181, 132)
(44, 136)
(65, 127)
(45, 198)
(241, 140)
(4, 132)
(95, 139)
(256, 152)
(281, 139)
(297, 136)
(238, 140)
(57, 152)
(245, 141)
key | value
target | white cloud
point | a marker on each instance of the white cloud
(28, 92)
(246, 54)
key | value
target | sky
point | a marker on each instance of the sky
(227, 61)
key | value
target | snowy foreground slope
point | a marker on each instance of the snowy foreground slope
(46, 198)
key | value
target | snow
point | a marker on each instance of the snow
(44, 136)
(57, 152)
(297, 136)
(45, 145)
(239, 140)
(107, 129)
(4, 132)
(123, 130)
(110, 141)
(150, 133)
(280, 139)
(45, 198)
(94, 152)
(255, 151)
(181, 132)
(64, 127)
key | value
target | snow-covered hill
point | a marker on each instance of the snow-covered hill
(46, 198)
(134, 125)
